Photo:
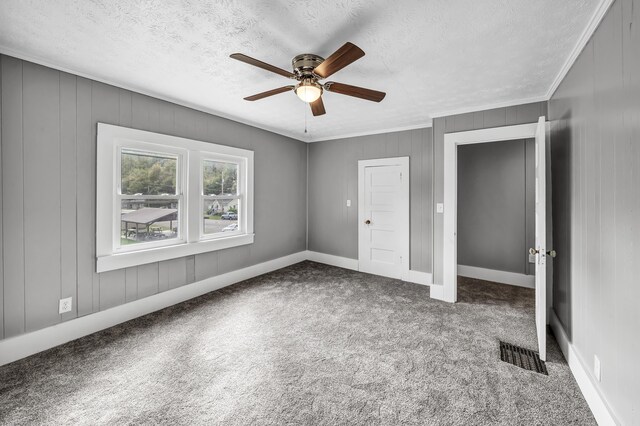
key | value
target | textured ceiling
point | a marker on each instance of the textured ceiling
(430, 56)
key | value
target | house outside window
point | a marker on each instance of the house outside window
(161, 197)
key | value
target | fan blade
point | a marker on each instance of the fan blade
(256, 63)
(317, 107)
(269, 93)
(358, 92)
(339, 59)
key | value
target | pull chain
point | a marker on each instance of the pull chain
(305, 120)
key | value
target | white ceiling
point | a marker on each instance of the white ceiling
(430, 56)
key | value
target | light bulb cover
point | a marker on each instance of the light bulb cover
(308, 91)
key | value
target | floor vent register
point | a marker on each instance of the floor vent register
(523, 358)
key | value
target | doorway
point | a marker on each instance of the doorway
(383, 217)
(495, 225)
(450, 241)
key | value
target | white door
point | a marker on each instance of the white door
(383, 212)
(540, 249)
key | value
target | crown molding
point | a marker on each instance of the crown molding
(4, 50)
(425, 125)
(39, 61)
(586, 35)
(486, 107)
(588, 32)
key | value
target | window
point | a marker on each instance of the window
(161, 197)
(220, 197)
(149, 193)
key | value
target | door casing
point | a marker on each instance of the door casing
(449, 289)
(403, 202)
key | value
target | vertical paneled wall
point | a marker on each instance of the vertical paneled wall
(595, 153)
(333, 179)
(496, 196)
(1, 221)
(48, 145)
(521, 114)
(12, 198)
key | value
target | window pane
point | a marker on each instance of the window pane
(148, 173)
(144, 221)
(220, 215)
(219, 178)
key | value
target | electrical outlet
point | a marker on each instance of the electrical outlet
(596, 367)
(65, 305)
(348, 203)
(439, 208)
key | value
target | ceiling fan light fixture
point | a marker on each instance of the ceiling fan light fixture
(308, 68)
(308, 90)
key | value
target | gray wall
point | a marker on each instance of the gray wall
(496, 196)
(48, 144)
(595, 148)
(521, 114)
(333, 179)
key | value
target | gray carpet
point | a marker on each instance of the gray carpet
(305, 345)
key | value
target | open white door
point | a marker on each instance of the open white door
(540, 249)
(383, 211)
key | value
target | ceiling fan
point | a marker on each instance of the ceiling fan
(308, 69)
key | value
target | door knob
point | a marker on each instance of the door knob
(533, 251)
(552, 253)
(367, 222)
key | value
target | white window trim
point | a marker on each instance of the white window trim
(110, 138)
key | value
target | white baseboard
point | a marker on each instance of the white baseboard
(419, 277)
(512, 278)
(589, 389)
(24, 345)
(416, 277)
(15, 348)
(329, 259)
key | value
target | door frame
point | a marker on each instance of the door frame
(450, 213)
(404, 201)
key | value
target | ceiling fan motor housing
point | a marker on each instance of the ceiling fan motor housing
(303, 65)
(308, 69)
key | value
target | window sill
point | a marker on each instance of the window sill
(125, 260)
